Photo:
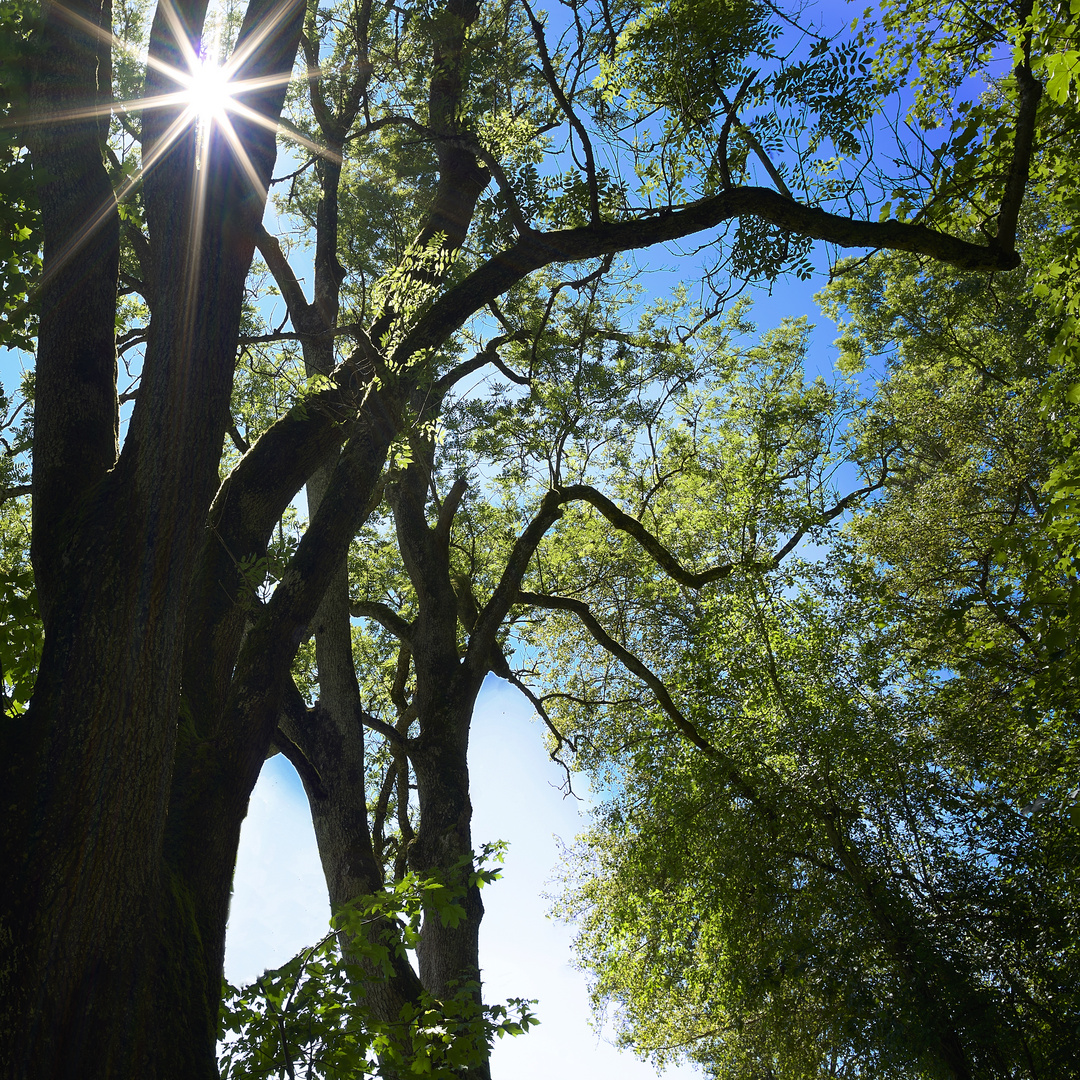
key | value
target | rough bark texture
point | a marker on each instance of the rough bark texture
(112, 956)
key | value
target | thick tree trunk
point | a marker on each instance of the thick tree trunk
(110, 957)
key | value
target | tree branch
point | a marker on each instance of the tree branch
(482, 639)
(385, 616)
(392, 735)
(538, 249)
(1023, 141)
(731, 108)
(252, 708)
(830, 515)
(625, 523)
(303, 314)
(448, 510)
(295, 709)
(568, 110)
(488, 355)
(660, 691)
(14, 491)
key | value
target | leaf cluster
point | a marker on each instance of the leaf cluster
(310, 1015)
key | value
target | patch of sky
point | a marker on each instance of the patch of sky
(279, 903)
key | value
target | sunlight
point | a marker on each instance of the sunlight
(209, 91)
(207, 96)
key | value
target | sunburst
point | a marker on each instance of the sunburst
(208, 95)
(209, 91)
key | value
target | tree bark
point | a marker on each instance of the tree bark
(111, 958)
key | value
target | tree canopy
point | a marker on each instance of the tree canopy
(813, 634)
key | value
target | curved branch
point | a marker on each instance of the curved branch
(831, 514)
(304, 315)
(385, 616)
(627, 524)
(460, 178)
(241, 519)
(295, 710)
(660, 691)
(561, 740)
(489, 354)
(541, 711)
(538, 249)
(482, 639)
(441, 533)
(494, 166)
(252, 707)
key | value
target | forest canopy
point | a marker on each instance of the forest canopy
(351, 385)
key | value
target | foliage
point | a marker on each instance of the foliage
(20, 241)
(20, 625)
(310, 1014)
(842, 826)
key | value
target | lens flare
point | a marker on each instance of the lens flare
(205, 95)
(209, 91)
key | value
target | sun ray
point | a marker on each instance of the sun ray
(242, 158)
(180, 35)
(106, 208)
(246, 48)
(207, 95)
(281, 128)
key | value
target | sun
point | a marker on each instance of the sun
(203, 96)
(208, 92)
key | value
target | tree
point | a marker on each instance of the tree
(164, 675)
(858, 856)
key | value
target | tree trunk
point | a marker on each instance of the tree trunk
(111, 961)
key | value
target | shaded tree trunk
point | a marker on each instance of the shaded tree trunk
(112, 955)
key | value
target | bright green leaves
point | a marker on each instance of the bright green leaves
(20, 624)
(20, 240)
(967, 77)
(791, 933)
(900, 703)
(714, 103)
(21, 637)
(312, 1013)
(682, 56)
(1057, 60)
(966, 530)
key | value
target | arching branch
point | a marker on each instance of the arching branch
(663, 697)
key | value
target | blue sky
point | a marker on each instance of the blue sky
(279, 901)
